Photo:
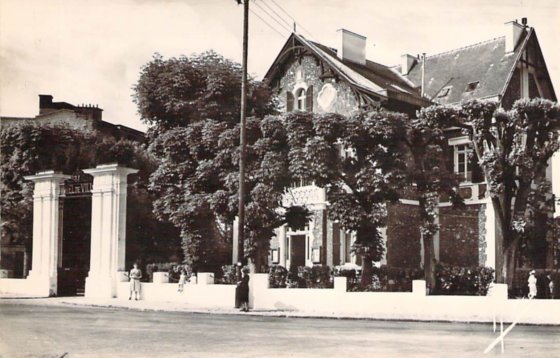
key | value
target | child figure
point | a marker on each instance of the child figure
(182, 280)
(135, 276)
(551, 292)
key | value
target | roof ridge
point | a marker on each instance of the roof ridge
(466, 47)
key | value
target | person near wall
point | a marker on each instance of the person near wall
(551, 291)
(238, 277)
(182, 280)
(532, 281)
(243, 287)
(135, 275)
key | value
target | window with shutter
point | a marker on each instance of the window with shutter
(289, 102)
(300, 98)
(477, 173)
(309, 99)
(450, 159)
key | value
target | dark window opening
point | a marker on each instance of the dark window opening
(471, 86)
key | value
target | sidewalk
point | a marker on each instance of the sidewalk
(148, 306)
(163, 306)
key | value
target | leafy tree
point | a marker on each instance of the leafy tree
(30, 147)
(26, 149)
(428, 172)
(360, 161)
(192, 106)
(513, 148)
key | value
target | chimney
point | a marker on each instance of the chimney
(514, 30)
(45, 102)
(351, 47)
(407, 62)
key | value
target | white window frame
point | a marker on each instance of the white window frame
(456, 143)
(303, 88)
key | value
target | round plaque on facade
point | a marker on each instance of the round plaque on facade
(327, 97)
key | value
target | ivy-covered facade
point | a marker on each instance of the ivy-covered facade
(310, 77)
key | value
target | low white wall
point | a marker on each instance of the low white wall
(413, 305)
(202, 294)
(337, 302)
(23, 287)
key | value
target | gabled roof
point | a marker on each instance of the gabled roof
(482, 70)
(372, 79)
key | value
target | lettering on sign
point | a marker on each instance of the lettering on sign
(79, 184)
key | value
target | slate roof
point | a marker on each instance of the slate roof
(448, 74)
(482, 70)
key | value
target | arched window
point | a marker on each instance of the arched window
(302, 101)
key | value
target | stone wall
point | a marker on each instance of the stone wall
(403, 236)
(345, 101)
(459, 235)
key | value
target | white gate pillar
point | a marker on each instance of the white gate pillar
(43, 275)
(108, 229)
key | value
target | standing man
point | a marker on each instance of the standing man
(135, 276)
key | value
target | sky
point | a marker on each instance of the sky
(91, 52)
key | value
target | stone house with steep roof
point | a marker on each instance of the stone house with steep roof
(308, 76)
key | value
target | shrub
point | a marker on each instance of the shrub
(350, 274)
(456, 280)
(295, 279)
(318, 276)
(386, 279)
(278, 276)
(228, 276)
(160, 267)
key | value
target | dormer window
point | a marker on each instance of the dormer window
(444, 92)
(471, 86)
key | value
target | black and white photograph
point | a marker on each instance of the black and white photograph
(279, 178)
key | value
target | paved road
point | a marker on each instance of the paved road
(56, 331)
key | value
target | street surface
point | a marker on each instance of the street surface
(28, 330)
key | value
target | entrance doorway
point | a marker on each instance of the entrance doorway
(74, 253)
(297, 250)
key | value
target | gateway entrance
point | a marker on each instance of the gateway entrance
(75, 240)
(78, 237)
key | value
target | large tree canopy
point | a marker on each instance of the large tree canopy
(360, 160)
(429, 175)
(180, 91)
(513, 148)
(192, 106)
(31, 147)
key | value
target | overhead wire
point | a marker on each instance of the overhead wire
(267, 24)
(273, 18)
(293, 19)
(275, 13)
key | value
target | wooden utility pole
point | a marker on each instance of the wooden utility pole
(242, 141)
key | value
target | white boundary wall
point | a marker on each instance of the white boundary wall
(203, 294)
(415, 305)
(336, 302)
